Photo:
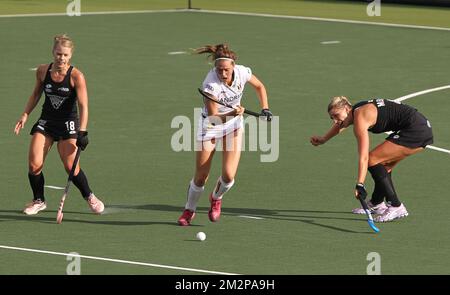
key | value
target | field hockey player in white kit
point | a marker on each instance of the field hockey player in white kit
(221, 125)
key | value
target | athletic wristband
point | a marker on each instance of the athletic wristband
(361, 189)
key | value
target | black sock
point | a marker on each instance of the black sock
(81, 183)
(377, 195)
(381, 177)
(37, 186)
(393, 199)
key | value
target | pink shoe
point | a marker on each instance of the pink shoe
(34, 207)
(214, 211)
(392, 213)
(378, 209)
(186, 218)
(95, 204)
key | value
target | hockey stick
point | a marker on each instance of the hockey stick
(59, 215)
(212, 98)
(369, 216)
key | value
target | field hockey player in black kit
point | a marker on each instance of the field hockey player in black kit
(411, 133)
(64, 87)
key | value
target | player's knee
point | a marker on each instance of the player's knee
(227, 178)
(200, 180)
(378, 172)
(373, 159)
(69, 166)
(35, 168)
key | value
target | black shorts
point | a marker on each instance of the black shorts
(57, 129)
(418, 134)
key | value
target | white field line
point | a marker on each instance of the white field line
(235, 13)
(176, 52)
(250, 217)
(431, 147)
(402, 98)
(330, 42)
(117, 260)
(53, 187)
(92, 13)
(322, 19)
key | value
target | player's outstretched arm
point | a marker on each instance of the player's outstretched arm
(318, 140)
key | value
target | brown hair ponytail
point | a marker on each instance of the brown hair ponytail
(217, 51)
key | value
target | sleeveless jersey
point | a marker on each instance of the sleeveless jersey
(392, 116)
(230, 94)
(60, 98)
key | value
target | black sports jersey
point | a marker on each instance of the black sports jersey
(392, 116)
(60, 98)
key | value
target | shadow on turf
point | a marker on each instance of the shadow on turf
(36, 218)
(263, 213)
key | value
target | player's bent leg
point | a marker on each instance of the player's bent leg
(39, 147)
(215, 198)
(388, 153)
(381, 177)
(67, 150)
(381, 161)
(196, 186)
(231, 155)
(193, 196)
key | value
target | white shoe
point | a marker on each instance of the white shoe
(34, 207)
(378, 209)
(392, 213)
(95, 204)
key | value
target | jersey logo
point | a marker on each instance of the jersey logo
(65, 89)
(379, 102)
(57, 101)
(48, 88)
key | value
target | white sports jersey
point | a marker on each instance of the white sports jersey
(230, 94)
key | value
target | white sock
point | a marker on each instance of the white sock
(194, 193)
(221, 188)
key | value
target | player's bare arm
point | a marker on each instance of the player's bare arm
(33, 100)
(364, 117)
(79, 83)
(260, 91)
(213, 111)
(332, 132)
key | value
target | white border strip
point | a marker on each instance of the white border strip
(116, 260)
(93, 13)
(323, 19)
(236, 13)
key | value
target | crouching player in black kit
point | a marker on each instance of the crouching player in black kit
(64, 86)
(411, 133)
